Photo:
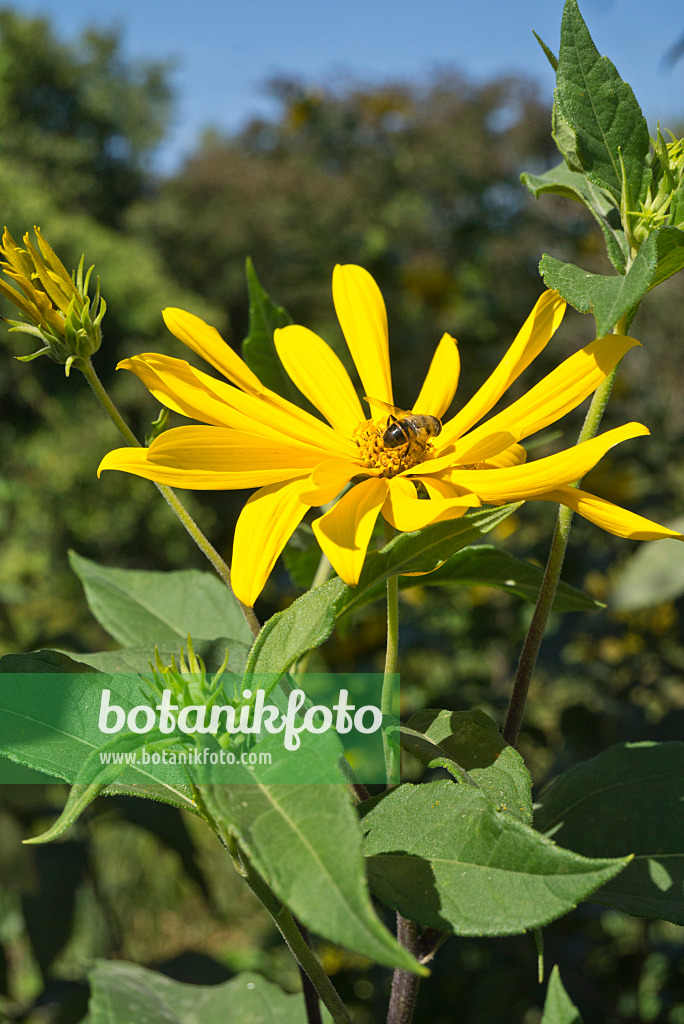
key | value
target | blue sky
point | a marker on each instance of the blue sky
(225, 50)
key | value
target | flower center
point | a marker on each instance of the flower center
(374, 454)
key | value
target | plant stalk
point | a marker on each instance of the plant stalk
(404, 983)
(387, 701)
(559, 544)
(170, 496)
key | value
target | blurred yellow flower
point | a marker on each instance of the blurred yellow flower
(255, 438)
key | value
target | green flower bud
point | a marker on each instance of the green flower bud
(54, 305)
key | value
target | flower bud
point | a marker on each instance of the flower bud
(54, 305)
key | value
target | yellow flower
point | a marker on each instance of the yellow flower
(255, 438)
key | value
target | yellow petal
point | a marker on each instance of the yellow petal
(345, 531)
(406, 511)
(211, 459)
(513, 456)
(559, 392)
(535, 334)
(195, 394)
(517, 483)
(320, 376)
(263, 528)
(437, 393)
(208, 343)
(329, 478)
(361, 311)
(610, 517)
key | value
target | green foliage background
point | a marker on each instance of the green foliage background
(420, 184)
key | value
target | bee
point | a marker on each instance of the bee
(404, 427)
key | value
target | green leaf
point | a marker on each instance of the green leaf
(487, 566)
(602, 111)
(79, 798)
(558, 1009)
(670, 250)
(444, 856)
(137, 659)
(258, 348)
(429, 753)
(144, 609)
(472, 739)
(628, 800)
(310, 620)
(563, 181)
(653, 575)
(123, 993)
(550, 55)
(305, 841)
(50, 732)
(608, 298)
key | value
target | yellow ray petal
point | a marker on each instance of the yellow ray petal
(208, 343)
(535, 334)
(345, 531)
(361, 311)
(195, 394)
(265, 525)
(328, 479)
(610, 517)
(437, 393)
(210, 459)
(517, 483)
(320, 376)
(560, 391)
(513, 456)
(406, 512)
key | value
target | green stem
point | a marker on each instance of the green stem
(170, 496)
(535, 633)
(387, 700)
(294, 934)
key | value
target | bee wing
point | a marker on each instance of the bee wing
(393, 410)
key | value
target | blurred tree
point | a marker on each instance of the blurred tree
(419, 184)
(78, 114)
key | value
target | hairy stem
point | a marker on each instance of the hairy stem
(404, 983)
(535, 633)
(387, 701)
(170, 496)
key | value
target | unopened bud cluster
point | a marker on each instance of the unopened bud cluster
(664, 204)
(54, 305)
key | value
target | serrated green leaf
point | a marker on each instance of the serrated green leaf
(472, 739)
(563, 181)
(123, 993)
(258, 348)
(602, 111)
(558, 1008)
(310, 620)
(444, 856)
(608, 298)
(564, 135)
(305, 841)
(148, 609)
(627, 800)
